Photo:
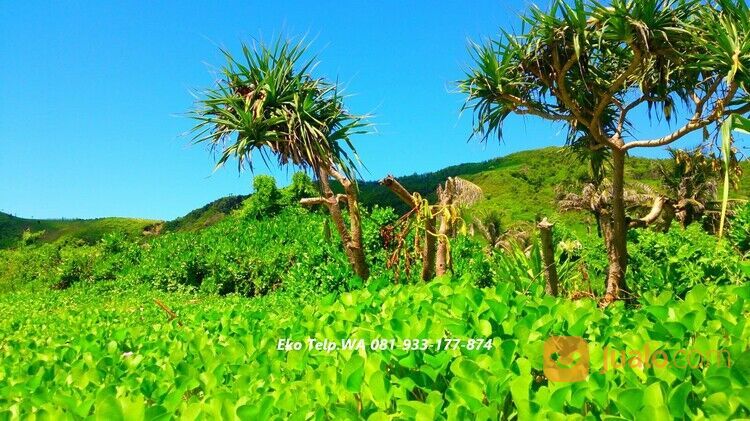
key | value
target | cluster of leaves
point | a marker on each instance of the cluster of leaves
(739, 231)
(268, 102)
(119, 355)
(681, 259)
(675, 261)
(68, 262)
(267, 200)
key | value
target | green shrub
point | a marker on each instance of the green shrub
(739, 229)
(681, 259)
(300, 188)
(265, 200)
(76, 264)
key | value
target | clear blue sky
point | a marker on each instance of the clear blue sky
(92, 94)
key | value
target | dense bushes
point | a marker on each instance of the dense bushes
(272, 244)
(681, 259)
(242, 254)
(739, 231)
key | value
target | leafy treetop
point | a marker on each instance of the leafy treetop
(589, 64)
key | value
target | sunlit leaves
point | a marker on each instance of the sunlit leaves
(222, 361)
(267, 101)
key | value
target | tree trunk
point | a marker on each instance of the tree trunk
(548, 254)
(616, 235)
(442, 260)
(428, 250)
(350, 237)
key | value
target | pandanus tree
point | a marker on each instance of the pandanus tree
(266, 101)
(691, 179)
(593, 65)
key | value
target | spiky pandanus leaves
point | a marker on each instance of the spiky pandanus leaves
(582, 61)
(267, 101)
(589, 64)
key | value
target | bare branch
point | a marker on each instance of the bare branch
(696, 122)
(530, 109)
(399, 190)
(562, 85)
(606, 99)
(311, 201)
(653, 215)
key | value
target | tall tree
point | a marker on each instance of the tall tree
(590, 65)
(267, 102)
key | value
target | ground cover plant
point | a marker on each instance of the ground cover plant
(484, 291)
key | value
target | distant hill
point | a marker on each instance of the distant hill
(207, 215)
(524, 185)
(89, 230)
(521, 186)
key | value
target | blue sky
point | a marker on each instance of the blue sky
(92, 95)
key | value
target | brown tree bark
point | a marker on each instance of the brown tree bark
(442, 258)
(351, 237)
(428, 249)
(548, 254)
(355, 225)
(616, 232)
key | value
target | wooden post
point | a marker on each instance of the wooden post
(548, 255)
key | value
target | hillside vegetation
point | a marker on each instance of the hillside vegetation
(520, 186)
(51, 230)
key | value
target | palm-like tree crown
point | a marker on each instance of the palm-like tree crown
(267, 101)
(588, 64)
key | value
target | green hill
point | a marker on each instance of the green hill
(89, 230)
(521, 186)
(207, 215)
(524, 185)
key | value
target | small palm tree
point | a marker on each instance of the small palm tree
(267, 102)
(691, 179)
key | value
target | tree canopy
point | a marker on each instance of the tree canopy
(589, 64)
(267, 100)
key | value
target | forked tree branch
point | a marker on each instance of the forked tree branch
(697, 121)
(606, 99)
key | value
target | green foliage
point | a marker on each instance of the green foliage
(246, 257)
(676, 261)
(207, 215)
(578, 61)
(267, 101)
(89, 230)
(682, 259)
(739, 229)
(301, 187)
(28, 237)
(118, 355)
(265, 199)
(519, 200)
